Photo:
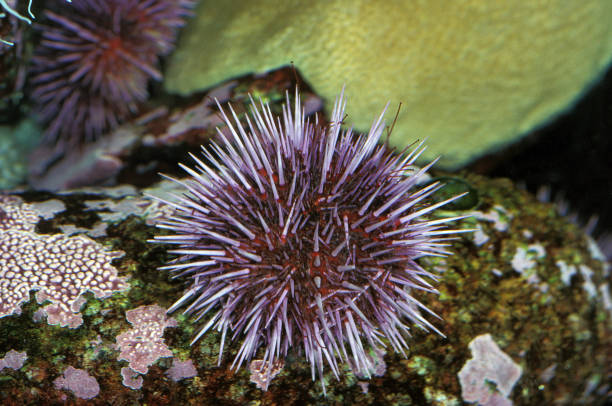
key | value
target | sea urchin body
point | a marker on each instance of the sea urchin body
(92, 66)
(301, 235)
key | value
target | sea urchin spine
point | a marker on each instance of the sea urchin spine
(297, 234)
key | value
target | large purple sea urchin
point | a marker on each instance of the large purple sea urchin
(296, 234)
(91, 68)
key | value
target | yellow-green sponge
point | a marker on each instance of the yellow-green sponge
(472, 74)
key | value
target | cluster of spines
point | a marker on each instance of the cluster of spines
(91, 68)
(293, 231)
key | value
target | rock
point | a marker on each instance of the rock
(553, 326)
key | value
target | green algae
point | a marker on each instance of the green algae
(421, 365)
(437, 397)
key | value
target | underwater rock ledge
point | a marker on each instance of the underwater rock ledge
(526, 286)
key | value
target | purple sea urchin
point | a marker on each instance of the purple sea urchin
(91, 68)
(297, 234)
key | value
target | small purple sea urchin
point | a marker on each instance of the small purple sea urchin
(91, 68)
(297, 234)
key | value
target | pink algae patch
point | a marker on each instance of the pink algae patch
(489, 364)
(83, 385)
(144, 343)
(181, 370)
(60, 268)
(13, 360)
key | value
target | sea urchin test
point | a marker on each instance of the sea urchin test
(297, 234)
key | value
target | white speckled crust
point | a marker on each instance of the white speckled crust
(488, 364)
(49, 208)
(498, 216)
(144, 343)
(181, 370)
(13, 360)
(131, 378)
(262, 374)
(16, 215)
(83, 385)
(58, 267)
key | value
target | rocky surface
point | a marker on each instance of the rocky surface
(527, 279)
(527, 287)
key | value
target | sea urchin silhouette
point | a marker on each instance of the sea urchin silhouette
(296, 234)
(91, 68)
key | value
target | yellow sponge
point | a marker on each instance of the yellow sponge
(472, 74)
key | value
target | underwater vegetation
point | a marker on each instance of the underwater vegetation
(91, 68)
(300, 234)
(472, 76)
